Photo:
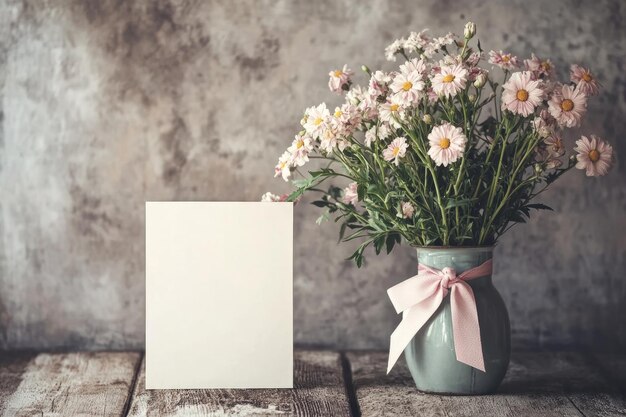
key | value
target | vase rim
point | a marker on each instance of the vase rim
(472, 248)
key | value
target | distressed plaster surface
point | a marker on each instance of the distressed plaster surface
(107, 104)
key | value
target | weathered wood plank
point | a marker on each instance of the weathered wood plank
(319, 391)
(74, 384)
(537, 384)
(12, 366)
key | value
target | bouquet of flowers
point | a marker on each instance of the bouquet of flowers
(448, 150)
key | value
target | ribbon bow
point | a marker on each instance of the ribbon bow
(419, 297)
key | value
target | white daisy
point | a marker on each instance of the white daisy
(450, 80)
(447, 144)
(396, 150)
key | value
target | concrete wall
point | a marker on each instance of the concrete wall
(106, 104)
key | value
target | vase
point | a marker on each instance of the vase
(430, 355)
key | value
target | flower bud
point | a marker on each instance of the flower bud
(480, 80)
(470, 30)
(538, 169)
(428, 119)
(364, 68)
(472, 97)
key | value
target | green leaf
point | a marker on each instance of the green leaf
(342, 231)
(460, 202)
(378, 245)
(539, 206)
(320, 203)
(391, 241)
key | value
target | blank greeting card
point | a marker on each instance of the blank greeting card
(219, 295)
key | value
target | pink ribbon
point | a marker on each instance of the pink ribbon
(419, 297)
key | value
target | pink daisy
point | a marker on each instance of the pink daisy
(340, 79)
(503, 60)
(584, 80)
(595, 156)
(396, 150)
(407, 87)
(283, 168)
(539, 67)
(568, 105)
(449, 80)
(350, 195)
(447, 144)
(521, 94)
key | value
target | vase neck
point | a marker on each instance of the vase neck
(460, 259)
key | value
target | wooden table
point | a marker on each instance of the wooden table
(327, 384)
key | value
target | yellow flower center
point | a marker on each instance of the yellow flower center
(318, 121)
(444, 143)
(506, 58)
(407, 85)
(448, 78)
(338, 73)
(587, 77)
(522, 95)
(567, 105)
(394, 107)
(338, 113)
(546, 66)
(594, 155)
(299, 144)
(396, 151)
(282, 165)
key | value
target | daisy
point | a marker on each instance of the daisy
(544, 124)
(269, 198)
(355, 95)
(384, 130)
(340, 79)
(315, 120)
(350, 195)
(396, 47)
(539, 67)
(554, 145)
(447, 144)
(273, 198)
(414, 65)
(567, 105)
(379, 83)
(416, 42)
(368, 108)
(503, 60)
(407, 87)
(521, 94)
(299, 149)
(329, 140)
(595, 156)
(584, 80)
(449, 80)
(370, 136)
(407, 210)
(396, 150)
(283, 167)
(391, 112)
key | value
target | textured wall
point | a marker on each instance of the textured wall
(107, 104)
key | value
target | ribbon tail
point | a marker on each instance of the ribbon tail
(465, 326)
(412, 321)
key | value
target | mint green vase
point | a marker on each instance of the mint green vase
(430, 355)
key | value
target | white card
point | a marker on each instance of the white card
(219, 295)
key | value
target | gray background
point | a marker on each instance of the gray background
(108, 104)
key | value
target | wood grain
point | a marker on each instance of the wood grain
(319, 391)
(12, 366)
(537, 384)
(69, 384)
